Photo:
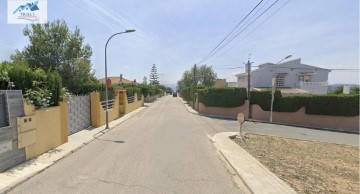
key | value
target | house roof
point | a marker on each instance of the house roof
(283, 65)
(116, 80)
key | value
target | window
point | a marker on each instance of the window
(280, 81)
(305, 78)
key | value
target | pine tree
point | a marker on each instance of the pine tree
(154, 76)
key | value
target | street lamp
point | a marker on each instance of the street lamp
(284, 59)
(273, 81)
(106, 88)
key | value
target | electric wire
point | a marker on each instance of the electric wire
(240, 32)
(230, 32)
(251, 32)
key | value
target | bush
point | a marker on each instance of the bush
(290, 103)
(222, 97)
(263, 98)
(186, 94)
(93, 87)
(38, 95)
(132, 90)
(333, 105)
(33, 82)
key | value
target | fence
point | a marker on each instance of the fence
(130, 99)
(78, 108)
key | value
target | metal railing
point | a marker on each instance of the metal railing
(130, 99)
(110, 104)
(313, 83)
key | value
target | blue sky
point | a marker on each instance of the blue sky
(175, 34)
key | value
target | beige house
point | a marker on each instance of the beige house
(117, 80)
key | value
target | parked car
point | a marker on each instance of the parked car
(174, 94)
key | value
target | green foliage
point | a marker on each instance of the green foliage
(92, 87)
(54, 48)
(290, 103)
(143, 89)
(263, 98)
(337, 90)
(203, 75)
(355, 90)
(38, 95)
(4, 72)
(222, 97)
(130, 91)
(333, 105)
(23, 78)
(186, 94)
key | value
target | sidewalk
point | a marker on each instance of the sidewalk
(256, 177)
(26, 170)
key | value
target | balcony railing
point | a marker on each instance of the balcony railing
(313, 83)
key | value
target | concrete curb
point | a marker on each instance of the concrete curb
(188, 107)
(23, 172)
(255, 176)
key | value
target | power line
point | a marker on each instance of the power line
(239, 32)
(230, 32)
(254, 29)
(332, 69)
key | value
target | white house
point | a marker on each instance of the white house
(290, 74)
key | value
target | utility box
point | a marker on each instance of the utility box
(26, 127)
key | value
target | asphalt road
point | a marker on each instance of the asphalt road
(221, 125)
(163, 149)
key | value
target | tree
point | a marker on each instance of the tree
(154, 76)
(207, 76)
(54, 48)
(203, 75)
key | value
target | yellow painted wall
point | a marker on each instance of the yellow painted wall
(98, 114)
(121, 107)
(133, 106)
(51, 128)
(219, 83)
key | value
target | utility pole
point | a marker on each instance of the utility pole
(194, 88)
(248, 86)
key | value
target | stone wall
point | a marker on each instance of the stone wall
(10, 155)
(78, 113)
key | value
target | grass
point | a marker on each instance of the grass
(307, 166)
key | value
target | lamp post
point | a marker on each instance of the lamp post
(106, 88)
(273, 81)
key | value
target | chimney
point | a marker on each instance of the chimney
(121, 78)
(134, 80)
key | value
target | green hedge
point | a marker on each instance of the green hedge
(222, 97)
(23, 78)
(131, 91)
(332, 105)
(93, 87)
(263, 98)
(186, 94)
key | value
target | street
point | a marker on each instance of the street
(286, 131)
(163, 149)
